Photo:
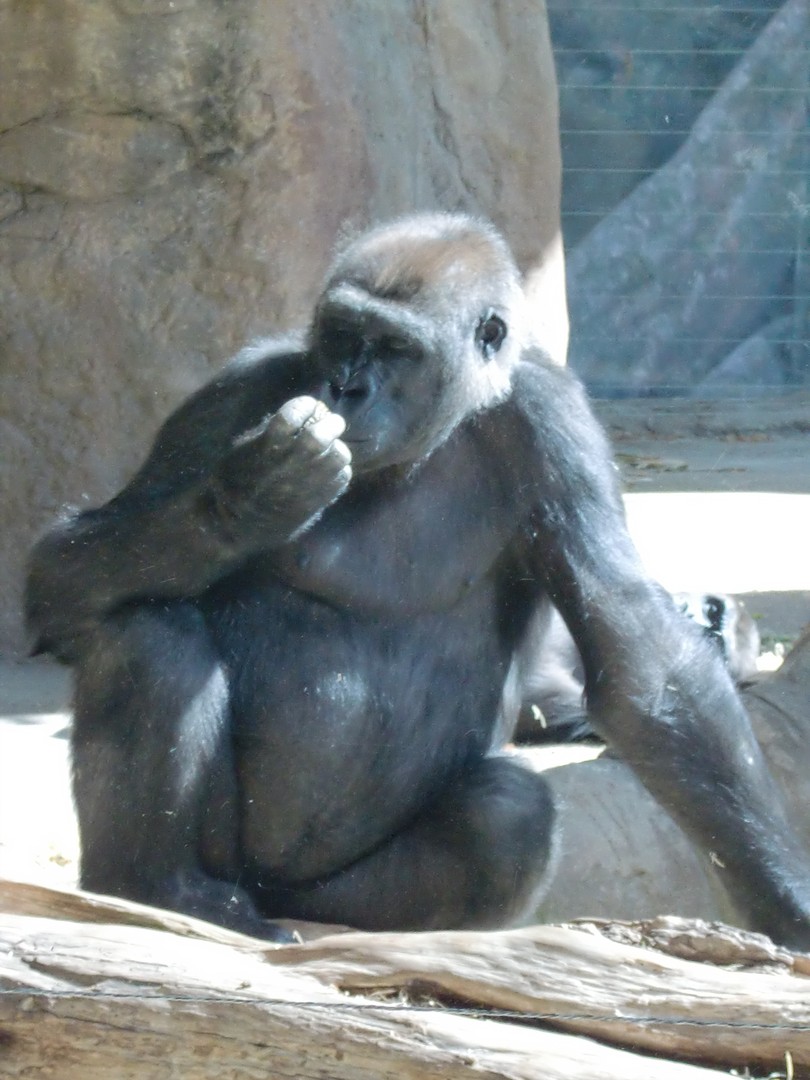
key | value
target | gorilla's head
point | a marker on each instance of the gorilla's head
(418, 327)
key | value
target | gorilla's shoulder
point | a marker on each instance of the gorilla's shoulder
(540, 384)
(267, 350)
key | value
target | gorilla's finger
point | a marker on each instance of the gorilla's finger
(295, 414)
(320, 433)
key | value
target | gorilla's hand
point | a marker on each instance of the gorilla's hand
(282, 474)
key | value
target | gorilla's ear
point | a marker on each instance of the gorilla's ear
(490, 334)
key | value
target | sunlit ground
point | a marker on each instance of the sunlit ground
(737, 542)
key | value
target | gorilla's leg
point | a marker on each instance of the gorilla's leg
(473, 859)
(153, 776)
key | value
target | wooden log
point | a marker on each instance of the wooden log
(86, 1001)
(585, 982)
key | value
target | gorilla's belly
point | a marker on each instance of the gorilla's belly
(357, 721)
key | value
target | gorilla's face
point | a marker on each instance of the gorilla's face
(407, 341)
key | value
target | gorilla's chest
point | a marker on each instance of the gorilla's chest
(416, 547)
(397, 608)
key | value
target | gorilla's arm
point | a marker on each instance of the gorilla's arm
(656, 689)
(242, 467)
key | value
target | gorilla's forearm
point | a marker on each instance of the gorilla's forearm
(96, 561)
(656, 688)
(269, 485)
(732, 810)
(668, 700)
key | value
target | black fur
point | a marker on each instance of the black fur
(299, 651)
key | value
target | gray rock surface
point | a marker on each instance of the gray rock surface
(633, 78)
(173, 178)
(709, 249)
(763, 361)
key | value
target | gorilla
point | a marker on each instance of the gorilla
(726, 621)
(300, 633)
(553, 707)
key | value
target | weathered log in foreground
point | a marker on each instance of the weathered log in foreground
(93, 995)
(92, 988)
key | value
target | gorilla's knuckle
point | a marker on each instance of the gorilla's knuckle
(326, 429)
(294, 414)
(308, 444)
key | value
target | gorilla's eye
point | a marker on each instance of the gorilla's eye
(394, 345)
(490, 334)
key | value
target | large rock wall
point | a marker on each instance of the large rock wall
(634, 77)
(174, 175)
(697, 281)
